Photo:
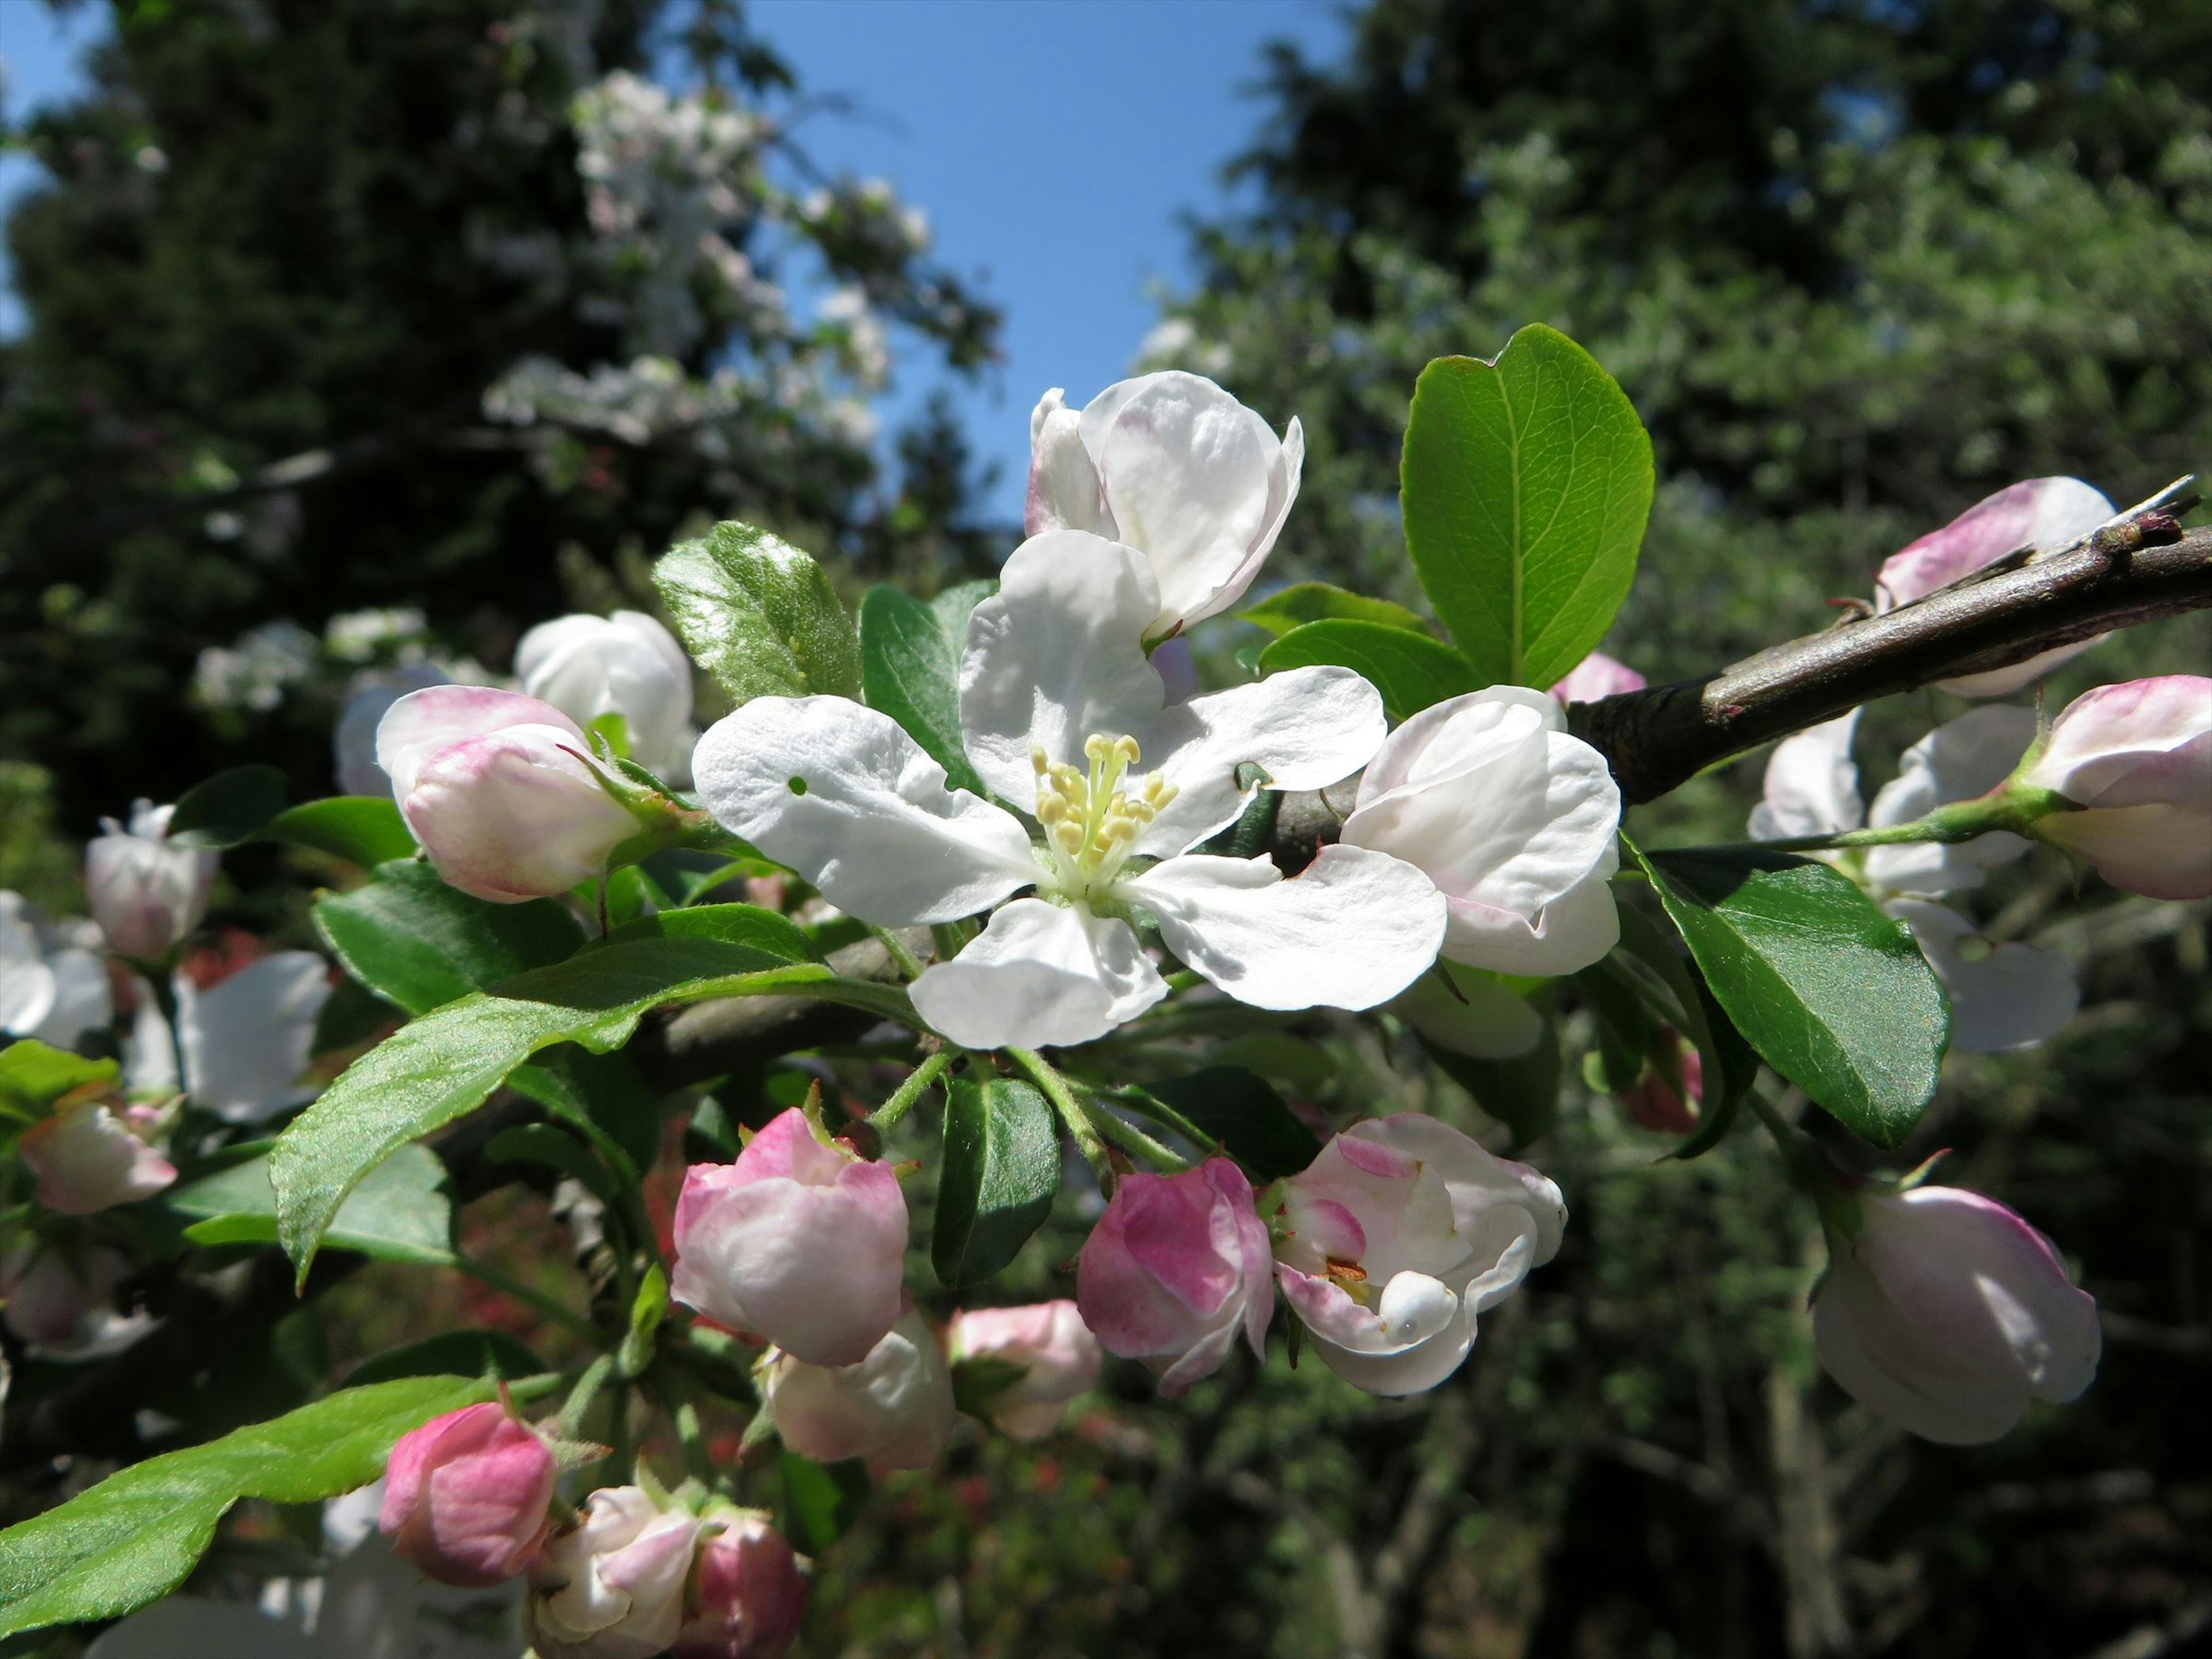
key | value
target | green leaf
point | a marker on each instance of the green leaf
(956, 603)
(229, 808)
(1001, 1170)
(759, 616)
(646, 1309)
(1525, 485)
(451, 1353)
(1523, 1092)
(1738, 1071)
(1832, 992)
(911, 667)
(363, 829)
(745, 924)
(603, 1097)
(134, 1537)
(399, 1212)
(1241, 1111)
(33, 1075)
(820, 1500)
(1313, 602)
(1674, 991)
(558, 1151)
(1411, 671)
(445, 1064)
(420, 945)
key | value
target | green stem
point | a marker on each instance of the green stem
(916, 1084)
(1151, 1106)
(693, 1438)
(579, 1403)
(950, 939)
(2014, 810)
(1135, 1142)
(1184, 978)
(575, 1323)
(1043, 1073)
(908, 963)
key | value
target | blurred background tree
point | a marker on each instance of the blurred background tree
(1859, 263)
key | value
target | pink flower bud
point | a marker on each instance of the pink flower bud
(627, 664)
(145, 894)
(1058, 1356)
(749, 1593)
(1665, 1104)
(894, 1408)
(1948, 1313)
(88, 1159)
(501, 791)
(1396, 1236)
(468, 1497)
(2039, 512)
(796, 1242)
(2139, 757)
(612, 1586)
(1597, 675)
(1177, 1267)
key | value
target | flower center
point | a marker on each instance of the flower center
(1091, 821)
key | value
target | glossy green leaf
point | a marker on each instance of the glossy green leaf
(450, 1353)
(363, 829)
(1833, 993)
(447, 1063)
(600, 1096)
(229, 808)
(910, 663)
(1411, 671)
(399, 1212)
(1525, 485)
(1313, 602)
(420, 945)
(1521, 1092)
(995, 1187)
(759, 616)
(33, 1075)
(820, 1500)
(1241, 1110)
(134, 1537)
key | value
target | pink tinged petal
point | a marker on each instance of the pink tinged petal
(145, 894)
(514, 815)
(247, 1039)
(894, 1407)
(1039, 975)
(1063, 491)
(750, 1592)
(2038, 512)
(1417, 1334)
(1058, 1357)
(2002, 995)
(1597, 675)
(1811, 785)
(841, 794)
(2160, 852)
(2142, 743)
(467, 1496)
(1960, 760)
(1317, 1229)
(1352, 930)
(87, 1160)
(423, 722)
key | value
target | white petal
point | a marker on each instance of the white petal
(83, 999)
(1353, 930)
(1812, 787)
(1040, 975)
(246, 1039)
(1063, 491)
(2002, 995)
(841, 794)
(423, 722)
(1960, 760)
(1056, 655)
(1422, 1334)
(1563, 937)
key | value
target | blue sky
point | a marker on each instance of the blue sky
(1055, 145)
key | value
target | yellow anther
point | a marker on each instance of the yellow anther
(1039, 760)
(1095, 746)
(1051, 810)
(1126, 751)
(1068, 837)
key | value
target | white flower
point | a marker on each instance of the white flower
(146, 894)
(246, 1039)
(2138, 759)
(50, 989)
(1172, 465)
(628, 664)
(894, 1408)
(1515, 821)
(1812, 784)
(1054, 672)
(2004, 995)
(1960, 760)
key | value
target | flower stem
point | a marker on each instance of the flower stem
(908, 963)
(2009, 809)
(1135, 1142)
(1056, 1090)
(951, 938)
(902, 1099)
(575, 1323)
(579, 1403)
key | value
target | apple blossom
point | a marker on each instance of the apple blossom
(628, 664)
(894, 1408)
(2045, 514)
(1174, 1270)
(1597, 675)
(1945, 1314)
(798, 1242)
(468, 1497)
(2138, 758)
(246, 1039)
(87, 1159)
(501, 790)
(611, 1587)
(1811, 785)
(748, 1592)
(1960, 760)
(1054, 672)
(353, 740)
(62, 1303)
(146, 893)
(53, 986)
(1048, 1343)
(1170, 465)
(1667, 1104)
(1396, 1236)
(1514, 820)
